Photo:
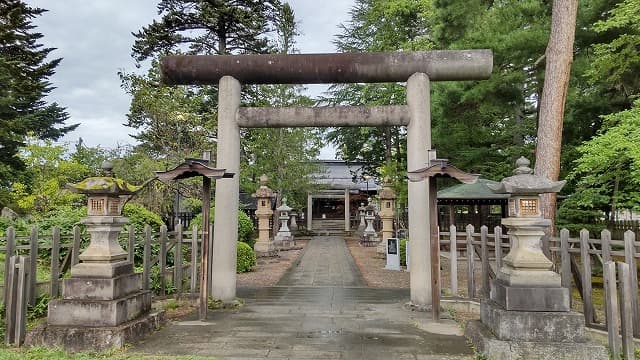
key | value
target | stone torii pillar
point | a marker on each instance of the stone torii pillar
(229, 71)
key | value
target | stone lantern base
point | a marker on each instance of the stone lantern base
(530, 323)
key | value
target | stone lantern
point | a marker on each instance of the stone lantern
(102, 300)
(369, 216)
(284, 234)
(363, 224)
(387, 199)
(527, 314)
(294, 224)
(264, 246)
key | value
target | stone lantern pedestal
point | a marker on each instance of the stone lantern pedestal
(102, 304)
(527, 315)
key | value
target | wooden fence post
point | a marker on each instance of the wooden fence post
(630, 259)
(11, 249)
(484, 230)
(21, 299)
(75, 250)
(177, 260)
(453, 251)
(33, 262)
(471, 286)
(605, 238)
(162, 260)
(10, 297)
(55, 263)
(146, 258)
(585, 258)
(131, 247)
(497, 231)
(626, 323)
(194, 259)
(611, 307)
(565, 261)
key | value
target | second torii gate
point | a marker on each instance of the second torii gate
(418, 69)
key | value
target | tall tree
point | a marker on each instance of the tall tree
(559, 57)
(24, 74)
(285, 155)
(211, 27)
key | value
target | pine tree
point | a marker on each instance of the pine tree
(24, 73)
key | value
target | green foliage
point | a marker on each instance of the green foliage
(607, 173)
(39, 310)
(245, 225)
(24, 75)
(246, 258)
(139, 217)
(403, 252)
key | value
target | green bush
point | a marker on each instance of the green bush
(139, 216)
(403, 252)
(246, 258)
(245, 226)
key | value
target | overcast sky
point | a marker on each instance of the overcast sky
(94, 39)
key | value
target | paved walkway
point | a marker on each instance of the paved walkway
(319, 310)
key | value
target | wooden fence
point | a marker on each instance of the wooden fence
(482, 252)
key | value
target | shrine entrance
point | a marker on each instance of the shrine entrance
(418, 69)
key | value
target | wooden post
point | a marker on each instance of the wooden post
(10, 297)
(453, 247)
(11, 249)
(162, 260)
(131, 247)
(605, 237)
(484, 247)
(435, 250)
(589, 316)
(204, 267)
(630, 258)
(75, 250)
(194, 259)
(497, 231)
(33, 261)
(21, 299)
(565, 260)
(55, 263)
(177, 260)
(611, 307)
(626, 307)
(471, 286)
(146, 258)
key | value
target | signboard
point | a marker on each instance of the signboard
(393, 257)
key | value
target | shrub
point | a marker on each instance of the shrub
(246, 258)
(139, 216)
(403, 252)
(245, 226)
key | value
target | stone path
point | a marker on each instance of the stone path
(319, 310)
(326, 262)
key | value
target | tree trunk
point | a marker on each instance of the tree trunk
(559, 56)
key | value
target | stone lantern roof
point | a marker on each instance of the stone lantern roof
(284, 206)
(387, 192)
(526, 182)
(264, 191)
(104, 185)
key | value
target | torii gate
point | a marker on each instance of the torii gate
(418, 69)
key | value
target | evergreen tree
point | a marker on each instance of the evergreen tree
(24, 73)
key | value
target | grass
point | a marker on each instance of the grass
(57, 354)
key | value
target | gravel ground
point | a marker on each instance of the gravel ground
(268, 271)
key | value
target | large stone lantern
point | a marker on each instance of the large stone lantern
(264, 246)
(387, 199)
(369, 216)
(102, 304)
(527, 315)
